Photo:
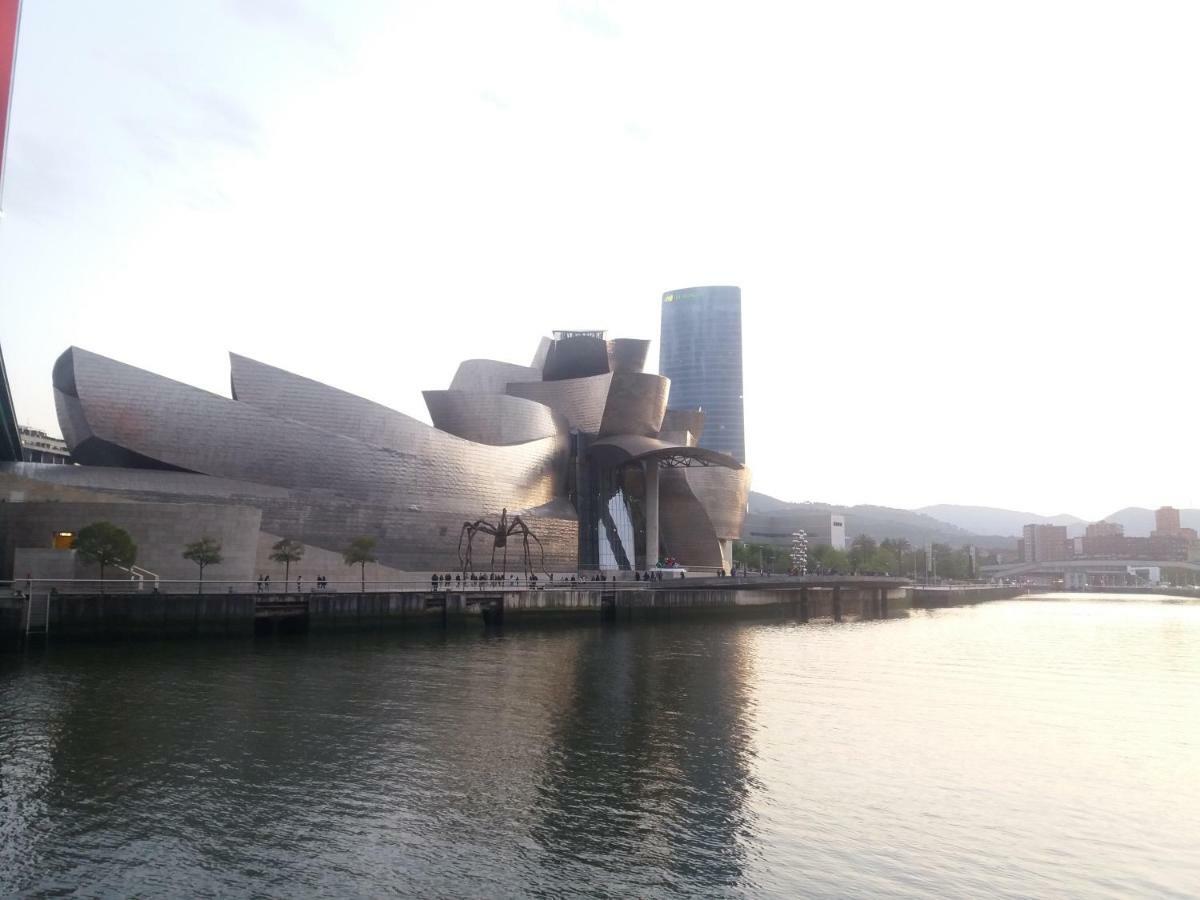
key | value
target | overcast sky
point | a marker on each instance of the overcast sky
(966, 233)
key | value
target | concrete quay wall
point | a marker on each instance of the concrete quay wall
(155, 616)
(142, 615)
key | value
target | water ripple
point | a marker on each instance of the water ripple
(1012, 750)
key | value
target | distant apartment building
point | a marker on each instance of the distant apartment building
(1104, 529)
(1169, 540)
(1044, 543)
(39, 447)
(1102, 539)
(1166, 520)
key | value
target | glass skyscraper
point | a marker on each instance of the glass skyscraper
(701, 352)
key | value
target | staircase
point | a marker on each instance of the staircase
(37, 614)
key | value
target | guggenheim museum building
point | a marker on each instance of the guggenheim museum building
(579, 443)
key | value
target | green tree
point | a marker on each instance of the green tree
(106, 545)
(823, 558)
(360, 552)
(897, 548)
(768, 557)
(204, 552)
(862, 551)
(287, 551)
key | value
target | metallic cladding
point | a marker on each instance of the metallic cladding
(684, 526)
(627, 354)
(635, 404)
(497, 419)
(579, 400)
(723, 493)
(172, 423)
(282, 394)
(578, 356)
(689, 420)
(637, 448)
(701, 352)
(488, 376)
(414, 537)
(324, 466)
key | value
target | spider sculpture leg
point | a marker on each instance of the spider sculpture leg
(468, 531)
(528, 566)
(527, 533)
(541, 551)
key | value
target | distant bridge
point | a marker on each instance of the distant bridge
(1081, 572)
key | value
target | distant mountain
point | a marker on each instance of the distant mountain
(771, 520)
(990, 520)
(1139, 522)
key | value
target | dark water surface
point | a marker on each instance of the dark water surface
(1020, 749)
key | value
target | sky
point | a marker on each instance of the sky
(966, 234)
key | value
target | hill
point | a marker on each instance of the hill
(772, 520)
(1139, 522)
(992, 520)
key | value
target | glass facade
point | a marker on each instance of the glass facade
(612, 521)
(701, 352)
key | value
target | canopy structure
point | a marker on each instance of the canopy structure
(637, 448)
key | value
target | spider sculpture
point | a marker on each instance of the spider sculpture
(500, 533)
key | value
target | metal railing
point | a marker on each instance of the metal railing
(443, 582)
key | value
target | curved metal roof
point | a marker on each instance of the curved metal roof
(635, 447)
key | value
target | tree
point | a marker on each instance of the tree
(360, 552)
(204, 552)
(824, 560)
(287, 551)
(768, 557)
(862, 552)
(896, 547)
(106, 545)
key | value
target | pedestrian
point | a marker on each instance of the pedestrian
(267, 583)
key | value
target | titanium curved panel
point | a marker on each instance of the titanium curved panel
(679, 420)
(627, 354)
(71, 420)
(540, 354)
(635, 405)
(171, 423)
(285, 395)
(576, 357)
(723, 494)
(497, 419)
(489, 376)
(684, 526)
(579, 400)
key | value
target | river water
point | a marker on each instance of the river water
(1018, 749)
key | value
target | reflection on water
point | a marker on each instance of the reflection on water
(1012, 749)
